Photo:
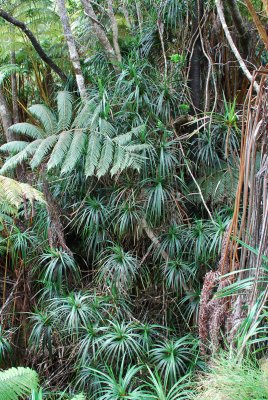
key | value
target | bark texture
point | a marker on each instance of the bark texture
(74, 56)
(6, 116)
(100, 34)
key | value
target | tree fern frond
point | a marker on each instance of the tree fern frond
(106, 157)
(93, 153)
(13, 192)
(42, 150)
(84, 115)
(24, 128)
(75, 151)
(45, 116)
(119, 158)
(60, 150)
(14, 147)
(13, 161)
(7, 70)
(65, 110)
(17, 382)
(106, 128)
(123, 139)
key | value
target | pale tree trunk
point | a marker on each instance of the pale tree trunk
(6, 116)
(100, 34)
(14, 90)
(74, 56)
(114, 30)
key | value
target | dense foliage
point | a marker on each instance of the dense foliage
(133, 201)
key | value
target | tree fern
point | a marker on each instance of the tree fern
(13, 192)
(75, 151)
(42, 150)
(7, 70)
(24, 128)
(45, 116)
(17, 382)
(65, 110)
(60, 150)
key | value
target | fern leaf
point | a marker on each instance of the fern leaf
(65, 110)
(13, 161)
(24, 128)
(14, 147)
(7, 70)
(13, 192)
(17, 382)
(60, 150)
(84, 115)
(75, 151)
(45, 116)
(93, 153)
(42, 150)
(123, 139)
(106, 157)
(119, 159)
(106, 129)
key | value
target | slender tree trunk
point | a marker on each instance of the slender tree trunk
(6, 116)
(114, 30)
(74, 56)
(34, 42)
(240, 25)
(195, 68)
(100, 34)
(14, 90)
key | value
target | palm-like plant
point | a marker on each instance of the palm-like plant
(121, 387)
(120, 341)
(72, 311)
(118, 268)
(58, 266)
(42, 331)
(172, 357)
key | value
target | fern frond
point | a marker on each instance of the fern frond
(45, 116)
(93, 153)
(23, 155)
(84, 115)
(75, 151)
(106, 129)
(7, 70)
(65, 110)
(42, 150)
(24, 128)
(13, 192)
(106, 157)
(17, 382)
(123, 139)
(14, 147)
(119, 159)
(60, 150)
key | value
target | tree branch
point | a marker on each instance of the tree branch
(19, 24)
